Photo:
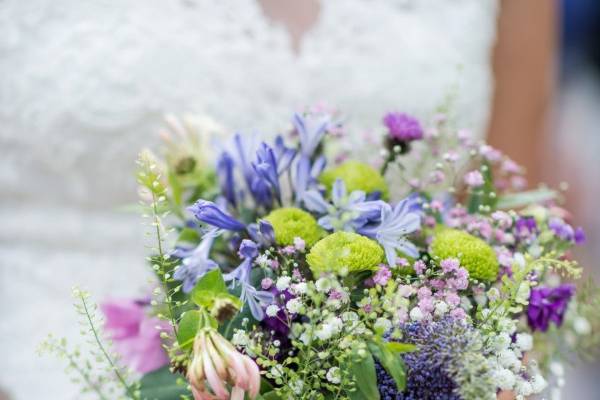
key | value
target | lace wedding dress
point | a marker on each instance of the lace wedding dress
(84, 85)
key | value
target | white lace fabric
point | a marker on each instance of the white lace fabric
(84, 85)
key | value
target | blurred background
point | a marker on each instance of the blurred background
(570, 152)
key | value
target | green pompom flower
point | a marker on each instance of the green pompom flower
(357, 176)
(290, 222)
(474, 254)
(344, 251)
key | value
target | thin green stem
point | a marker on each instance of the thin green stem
(115, 369)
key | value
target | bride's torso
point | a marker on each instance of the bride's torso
(85, 84)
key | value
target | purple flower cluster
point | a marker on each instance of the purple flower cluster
(403, 127)
(548, 304)
(566, 232)
(440, 345)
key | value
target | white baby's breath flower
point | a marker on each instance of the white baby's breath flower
(334, 375)
(336, 324)
(325, 332)
(349, 316)
(263, 261)
(416, 314)
(300, 288)
(508, 359)
(524, 388)
(524, 341)
(441, 308)
(505, 379)
(501, 341)
(272, 310)
(323, 284)
(297, 386)
(582, 326)
(294, 306)
(557, 368)
(283, 283)
(538, 383)
(240, 338)
(383, 325)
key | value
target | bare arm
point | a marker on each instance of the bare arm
(524, 73)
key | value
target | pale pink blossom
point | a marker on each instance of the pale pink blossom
(217, 367)
(135, 335)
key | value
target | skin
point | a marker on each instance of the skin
(523, 66)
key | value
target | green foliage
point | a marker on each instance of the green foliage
(289, 223)
(162, 384)
(210, 293)
(357, 176)
(474, 254)
(188, 327)
(389, 357)
(98, 368)
(483, 198)
(522, 199)
(344, 251)
(365, 376)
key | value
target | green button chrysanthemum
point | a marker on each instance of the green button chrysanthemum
(357, 176)
(290, 222)
(474, 254)
(344, 251)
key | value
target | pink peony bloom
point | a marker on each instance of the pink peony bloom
(135, 335)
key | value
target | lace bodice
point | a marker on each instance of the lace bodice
(84, 85)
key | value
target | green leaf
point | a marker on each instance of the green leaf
(272, 395)
(187, 329)
(163, 385)
(365, 378)
(188, 235)
(210, 285)
(518, 200)
(391, 362)
(398, 348)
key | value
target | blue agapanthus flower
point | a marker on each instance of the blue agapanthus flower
(347, 212)
(395, 224)
(311, 128)
(195, 262)
(307, 173)
(211, 214)
(255, 299)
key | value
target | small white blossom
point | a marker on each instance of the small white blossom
(333, 375)
(300, 288)
(297, 386)
(323, 284)
(524, 388)
(441, 308)
(582, 326)
(524, 341)
(557, 368)
(263, 261)
(538, 383)
(294, 306)
(501, 341)
(505, 379)
(416, 314)
(240, 338)
(383, 325)
(272, 310)
(508, 359)
(325, 332)
(283, 283)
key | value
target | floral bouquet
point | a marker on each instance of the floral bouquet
(295, 269)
